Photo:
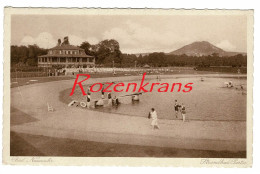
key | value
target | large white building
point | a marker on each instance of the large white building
(67, 56)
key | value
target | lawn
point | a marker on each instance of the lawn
(35, 145)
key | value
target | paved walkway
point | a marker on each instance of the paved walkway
(83, 124)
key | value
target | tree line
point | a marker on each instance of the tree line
(107, 53)
(26, 55)
(162, 60)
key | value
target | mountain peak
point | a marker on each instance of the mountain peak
(201, 42)
(199, 48)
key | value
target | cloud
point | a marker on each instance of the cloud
(75, 40)
(134, 37)
(226, 45)
(43, 40)
(46, 40)
(27, 40)
(92, 40)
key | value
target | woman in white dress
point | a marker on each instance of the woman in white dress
(154, 123)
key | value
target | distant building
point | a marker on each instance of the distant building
(66, 55)
(146, 66)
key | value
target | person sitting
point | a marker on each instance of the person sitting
(115, 101)
(230, 84)
(100, 102)
(135, 97)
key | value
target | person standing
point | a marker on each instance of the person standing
(115, 101)
(154, 117)
(88, 90)
(176, 108)
(183, 112)
(88, 100)
(109, 96)
(102, 93)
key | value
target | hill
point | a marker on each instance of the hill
(202, 48)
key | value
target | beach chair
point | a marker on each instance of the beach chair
(50, 108)
(73, 102)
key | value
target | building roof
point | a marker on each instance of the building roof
(146, 66)
(66, 47)
(65, 55)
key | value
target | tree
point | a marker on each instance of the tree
(110, 50)
(157, 59)
(26, 55)
(88, 48)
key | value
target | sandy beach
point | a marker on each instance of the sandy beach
(88, 125)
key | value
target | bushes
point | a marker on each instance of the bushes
(243, 70)
(27, 69)
(28, 74)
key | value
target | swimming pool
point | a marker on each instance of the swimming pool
(208, 100)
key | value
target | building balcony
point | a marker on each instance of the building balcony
(66, 64)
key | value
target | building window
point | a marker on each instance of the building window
(62, 59)
(54, 59)
(60, 52)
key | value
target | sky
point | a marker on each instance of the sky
(135, 33)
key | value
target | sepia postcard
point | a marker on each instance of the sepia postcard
(128, 87)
